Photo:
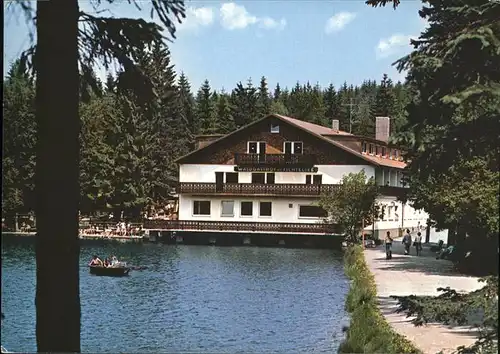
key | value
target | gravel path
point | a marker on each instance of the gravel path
(412, 275)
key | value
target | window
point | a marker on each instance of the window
(258, 178)
(293, 147)
(311, 211)
(270, 178)
(370, 148)
(395, 153)
(246, 209)
(231, 177)
(383, 151)
(377, 150)
(256, 147)
(314, 179)
(275, 128)
(252, 147)
(201, 207)
(227, 208)
(363, 147)
(297, 147)
(265, 208)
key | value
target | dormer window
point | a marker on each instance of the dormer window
(363, 147)
(383, 151)
(377, 150)
(395, 154)
(275, 128)
(370, 148)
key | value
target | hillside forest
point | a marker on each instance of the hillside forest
(129, 142)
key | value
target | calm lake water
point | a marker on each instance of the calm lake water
(192, 299)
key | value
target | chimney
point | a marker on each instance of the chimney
(382, 128)
(335, 125)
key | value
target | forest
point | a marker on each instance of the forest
(129, 141)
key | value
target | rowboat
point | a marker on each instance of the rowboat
(109, 271)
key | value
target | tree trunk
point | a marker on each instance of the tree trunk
(57, 173)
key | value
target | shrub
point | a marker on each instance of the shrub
(368, 331)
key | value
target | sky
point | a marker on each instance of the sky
(284, 40)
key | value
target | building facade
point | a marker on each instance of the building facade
(267, 177)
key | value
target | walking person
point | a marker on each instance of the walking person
(418, 243)
(407, 242)
(388, 245)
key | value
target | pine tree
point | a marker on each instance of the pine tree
(363, 118)
(225, 121)
(345, 114)
(263, 99)
(251, 102)
(330, 100)
(19, 139)
(188, 103)
(243, 103)
(277, 92)
(205, 109)
(385, 100)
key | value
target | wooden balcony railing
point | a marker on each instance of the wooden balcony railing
(253, 188)
(274, 159)
(279, 189)
(195, 225)
(399, 192)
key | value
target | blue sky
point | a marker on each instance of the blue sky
(286, 41)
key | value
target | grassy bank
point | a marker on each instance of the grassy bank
(368, 331)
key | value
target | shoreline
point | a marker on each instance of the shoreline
(84, 237)
(368, 330)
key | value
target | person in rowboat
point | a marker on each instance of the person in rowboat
(114, 261)
(95, 261)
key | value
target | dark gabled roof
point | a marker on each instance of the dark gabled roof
(316, 130)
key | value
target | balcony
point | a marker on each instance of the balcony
(237, 226)
(399, 192)
(280, 189)
(277, 160)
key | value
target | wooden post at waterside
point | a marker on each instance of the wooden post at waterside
(16, 222)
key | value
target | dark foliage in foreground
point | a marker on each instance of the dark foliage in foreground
(451, 307)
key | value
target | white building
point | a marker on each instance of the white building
(267, 176)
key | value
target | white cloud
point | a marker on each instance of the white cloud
(197, 17)
(234, 16)
(271, 23)
(392, 45)
(338, 21)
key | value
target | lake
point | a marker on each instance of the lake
(191, 299)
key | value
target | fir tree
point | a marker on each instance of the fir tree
(188, 104)
(385, 100)
(205, 109)
(225, 121)
(263, 99)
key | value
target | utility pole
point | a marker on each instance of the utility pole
(350, 105)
